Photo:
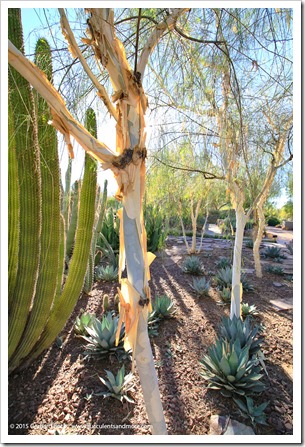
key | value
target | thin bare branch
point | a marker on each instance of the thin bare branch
(76, 53)
(207, 175)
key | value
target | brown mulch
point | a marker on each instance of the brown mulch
(58, 389)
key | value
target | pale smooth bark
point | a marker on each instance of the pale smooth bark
(236, 293)
(203, 230)
(194, 217)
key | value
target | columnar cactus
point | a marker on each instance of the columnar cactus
(27, 155)
(50, 216)
(38, 305)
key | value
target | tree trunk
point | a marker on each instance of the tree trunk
(194, 217)
(236, 294)
(203, 230)
(258, 240)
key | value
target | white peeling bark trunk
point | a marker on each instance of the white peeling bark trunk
(143, 353)
(258, 240)
(236, 294)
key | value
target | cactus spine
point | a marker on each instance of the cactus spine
(50, 213)
(27, 154)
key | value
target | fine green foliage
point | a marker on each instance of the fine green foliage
(117, 386)
(273, 221)
(192, 266)
(223, 263)
(155, 228)
(256, 414)
(248, 310)
(229, 368)
(275, 269)
(273, 253)
(82, 322)
(163, 307)
(101, 337)
(201, 286)
(108, 273)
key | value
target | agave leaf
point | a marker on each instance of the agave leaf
(129, 399)
(110, 376)
(241, 405)
(233, 361)
(260, 408)
(225, 367)
(231, 378)
(250, 404)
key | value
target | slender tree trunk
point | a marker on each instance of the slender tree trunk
(203, 230)
(194, 217)
(236, 294)
(183, 229)
(258, 240)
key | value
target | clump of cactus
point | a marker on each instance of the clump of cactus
(82, 322)
(101, 337)
(201, 286)
(105, 302)
(256, 414)
(107, 273)
(117, 386)
(193, 266)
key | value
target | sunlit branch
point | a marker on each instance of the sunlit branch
(76, 52)
(207, 175)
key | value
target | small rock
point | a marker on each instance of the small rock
(288, 426)
(279, 409)
(277, 284)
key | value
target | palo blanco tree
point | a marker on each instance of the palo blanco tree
(127, 106)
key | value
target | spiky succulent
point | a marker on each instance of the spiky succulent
(201, 286)
(255, 413)
(117, 386)
(163, 307)
(108, 273)
(225, 295)
(223, 262)
(224, 279)
(101, 336)
(193, 266)
(82, 322)
(249, 243)
(236, 329)
(273, 253)
(229, 368)
(275, 269)
(248, 310)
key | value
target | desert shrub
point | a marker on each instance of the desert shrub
(273, 221)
